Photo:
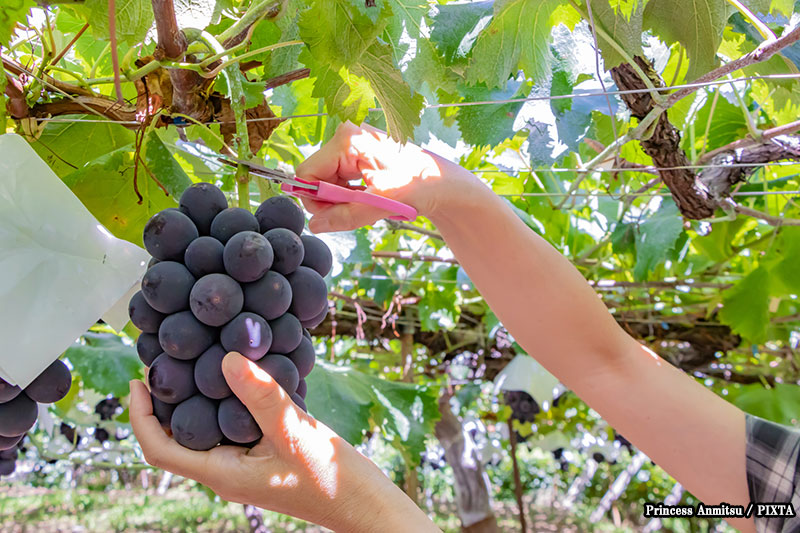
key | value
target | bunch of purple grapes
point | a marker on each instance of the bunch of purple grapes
(223, 280)
(19, 408)
(8, 459)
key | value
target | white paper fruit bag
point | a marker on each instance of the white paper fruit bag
(60, 270)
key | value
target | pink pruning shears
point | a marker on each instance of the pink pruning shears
(321, 191)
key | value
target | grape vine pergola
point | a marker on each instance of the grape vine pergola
(665, 167)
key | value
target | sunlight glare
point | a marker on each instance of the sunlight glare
(289, 481)
(315, 445)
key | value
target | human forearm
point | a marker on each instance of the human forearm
(555, 315)
(538, 295)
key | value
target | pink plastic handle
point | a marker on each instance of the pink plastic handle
(328, 192)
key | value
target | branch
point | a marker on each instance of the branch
(263, 8)
(112, 33)
(17, 106)
(744, 379)
(664, 144)
(611, 284)
(749, 141)
(731, 167)
(18, 70)
(170, 38)
(769, 219)
(621, 162)
(187, 97)
(104, 106)
(289, 77)
(395, 225)
(409, 256)
(762, 53)
(69, 44)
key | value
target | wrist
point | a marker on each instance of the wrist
(458, 191)
(371, 502)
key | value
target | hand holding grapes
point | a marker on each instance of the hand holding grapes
(299, 467)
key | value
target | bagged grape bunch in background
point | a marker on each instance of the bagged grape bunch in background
(19, 409)
(225, 280)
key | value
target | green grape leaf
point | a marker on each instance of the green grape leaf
(780, 404)
(134, 18)
(427, 71)
(87, 47)
(727, 124)
(488, 125)
(253, 90)
(745, 306)
(623, 23)
(339, 401)
(378, 284)
(106, 188)
(284, 59)
(338, 32)
(58, 148)
(407, 15)
(401, 106)
(455, 25)
(623, 238)
(786, 271)
(657, 237)
(540, 144)
(437, 309)
(347, 95)
(351, 403)
(516, 38)
(13, 11)
(700, 33)
(160, 161)
(786, 7)
(105, 363)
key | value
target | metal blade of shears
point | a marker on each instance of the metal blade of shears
(204, 152)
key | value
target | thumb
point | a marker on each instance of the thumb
(256, 389)
(345, 217)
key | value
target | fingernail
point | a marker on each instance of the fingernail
(233, 363)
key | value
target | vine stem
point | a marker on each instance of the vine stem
(762, 53)
(205, 127)
(752, 129)
(242, 140)
(268, 8)
(3, 83)
(112, 33)
(69, 44)
(237, 59)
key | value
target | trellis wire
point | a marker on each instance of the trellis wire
(490, 102)
(635, 194)
(638, 169)
(644, 169)
(596, 286)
